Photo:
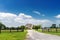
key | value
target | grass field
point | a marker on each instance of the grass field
(51, 32)
(6, 35)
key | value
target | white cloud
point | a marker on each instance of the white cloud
(22, 15)
(58, 16)
(37, 12)
(10, 19)
(7, 15)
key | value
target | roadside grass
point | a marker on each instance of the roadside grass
(6, 35)
(52, 31)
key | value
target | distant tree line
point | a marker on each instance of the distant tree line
(21, 28)
(3, 27)
(53, 27)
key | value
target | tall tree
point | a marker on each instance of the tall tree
(1, 25)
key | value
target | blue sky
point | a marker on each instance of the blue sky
(38, 9)
(46, 7)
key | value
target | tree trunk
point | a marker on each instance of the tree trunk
(10, 29)
(0, 29)
(48, 30)
(17, 29)
(56, 29)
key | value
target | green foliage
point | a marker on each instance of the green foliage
(12, 28)
(36, 27)
(2, 26)
(53, 26)
(22, 27)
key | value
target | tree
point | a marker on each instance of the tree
(36, 27)
(13, 28)
(22, 28)
(10, 29)
(7, 28)
(1, 25)
(17, 29)
(53, 26)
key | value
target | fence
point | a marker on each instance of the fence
(51, 30)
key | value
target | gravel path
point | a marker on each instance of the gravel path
(34, 35)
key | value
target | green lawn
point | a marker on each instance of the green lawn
(51, 32)
(6, 35)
